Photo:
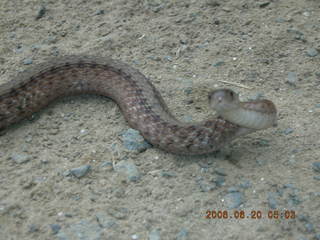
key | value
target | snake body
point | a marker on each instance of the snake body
(139, 101)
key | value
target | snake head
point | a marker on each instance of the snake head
(223, 100)
(255, 114)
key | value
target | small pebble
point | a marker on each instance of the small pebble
(316, 166)
(256, 96)
(27, 61)
(288, 131)
(183, 234)
(306, 14)
(218, 64)
(168, 174)
(298, 35)
(294, 199)
(272, 202)
(105, 221)
(20, 158)
(133, 141)
(206, 187)
(81, 230)
(107, 165)
(245, 184)
(79, 172)
(264, 4)
(99, 12)
(154, 235)
(280, 20)
(33, 228)
(41, 12)
(35, 47)
(292, 78)
(168, 58)
(288, 185)
(302, 238)
(233, 189)
(120, 213)
(309, 227)
(263, 142)
(234, 199)
(316, 178)
(134, 237)
(219, 181)
(220, 171)
(129, 169)
(312, 52)
(55, 228)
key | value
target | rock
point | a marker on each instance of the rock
(81, 230)
(80, 171)
(234, 199)
(20, 158)
(129, 169)
(312, 52)
(133, 141)
(154, 235)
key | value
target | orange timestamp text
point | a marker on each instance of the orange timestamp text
(253, 214)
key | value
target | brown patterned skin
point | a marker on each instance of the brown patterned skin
(141, 104)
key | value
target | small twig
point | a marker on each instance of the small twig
(235, 84)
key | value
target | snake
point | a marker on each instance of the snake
(140, 102)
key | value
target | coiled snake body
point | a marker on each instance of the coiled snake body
(141, 104)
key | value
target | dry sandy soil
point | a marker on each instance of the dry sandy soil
(268, 48)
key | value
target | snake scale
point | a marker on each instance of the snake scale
(139, 101)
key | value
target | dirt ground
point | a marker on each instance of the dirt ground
(269, 48)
